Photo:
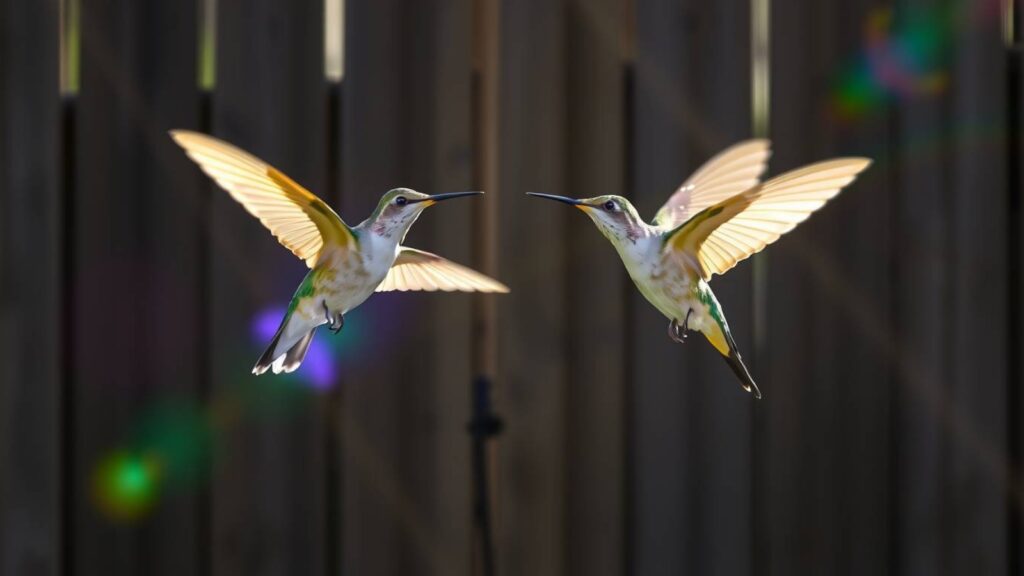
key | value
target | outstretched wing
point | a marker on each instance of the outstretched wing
(732, 171)
(419, 270)
(730, 231)
(298, 219)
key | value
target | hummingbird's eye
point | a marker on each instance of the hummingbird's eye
(610, 206)
(401, 201)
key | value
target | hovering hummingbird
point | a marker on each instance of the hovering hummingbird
(347, 264)
(721, 215)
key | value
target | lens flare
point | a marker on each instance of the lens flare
(332, 357)
(178, 435)
(904, 60)
(126, 485)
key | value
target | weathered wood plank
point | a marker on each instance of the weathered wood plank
(660, 436)
(978, 465)
(596, 299)
(716, 407)
(532, 334)
(31, 295)
(825, 475)
(407, 122)
(268, 493)
(920, 296)
(693, 499)
(136, 264)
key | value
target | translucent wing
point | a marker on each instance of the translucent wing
(738, 227)
(297, 218)
(419, 270)
(734, 170)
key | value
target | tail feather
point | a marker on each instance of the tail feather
(288, 348)
(740, 369)
(292, 359)
(720, 337)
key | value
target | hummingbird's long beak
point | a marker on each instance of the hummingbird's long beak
(434, 199)
(564, 199)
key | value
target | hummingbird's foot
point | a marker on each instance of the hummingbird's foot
(676, 333)
(338, 323)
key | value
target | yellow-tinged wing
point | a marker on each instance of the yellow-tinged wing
(733, 170)
(738, 227)
(419, 270)
(298, 219)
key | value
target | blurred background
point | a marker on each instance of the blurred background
(135, 296)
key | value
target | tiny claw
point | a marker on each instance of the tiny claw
(337, 323)
(675, 333)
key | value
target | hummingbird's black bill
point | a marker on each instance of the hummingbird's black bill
(448, 196)
(564, 199)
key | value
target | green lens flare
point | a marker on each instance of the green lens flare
(126, 485)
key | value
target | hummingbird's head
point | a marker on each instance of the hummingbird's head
(614, 216)
(399, 208)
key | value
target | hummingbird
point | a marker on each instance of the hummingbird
(720, 216)
(347, 263)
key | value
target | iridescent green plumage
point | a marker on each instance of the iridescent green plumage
(718, 217)
(347, 264)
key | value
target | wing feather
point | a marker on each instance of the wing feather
(732, 171)
(418, 270)
(298, 219)
(730, 231)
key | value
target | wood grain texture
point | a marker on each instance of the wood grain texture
(31, 290)
(595, 282)
(978, 466)
(136, 261)
(660, 436)
(823, 479)
(920, 298)
(406, 122)
(722, 489)
(531, 393)
(267, 494)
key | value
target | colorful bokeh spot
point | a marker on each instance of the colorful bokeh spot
(332, 357)
(177, 434)
(126, 485)
(319, 370)
(903, 58)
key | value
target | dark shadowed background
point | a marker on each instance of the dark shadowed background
(135, 296)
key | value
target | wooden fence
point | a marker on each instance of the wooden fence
(885, 332)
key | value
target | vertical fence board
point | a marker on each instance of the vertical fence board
(375, 539)
(30, 289)
(829, 329)
(136, 260)
(532, 351)
(407, 123)
(1015, 194)
(717, 51)
(799, 483)
(659, 436)
(268, 494)
(978, 472)
(449, 109)
(920, 298)
(595, 299)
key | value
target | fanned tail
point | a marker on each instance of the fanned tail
(288, 348)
